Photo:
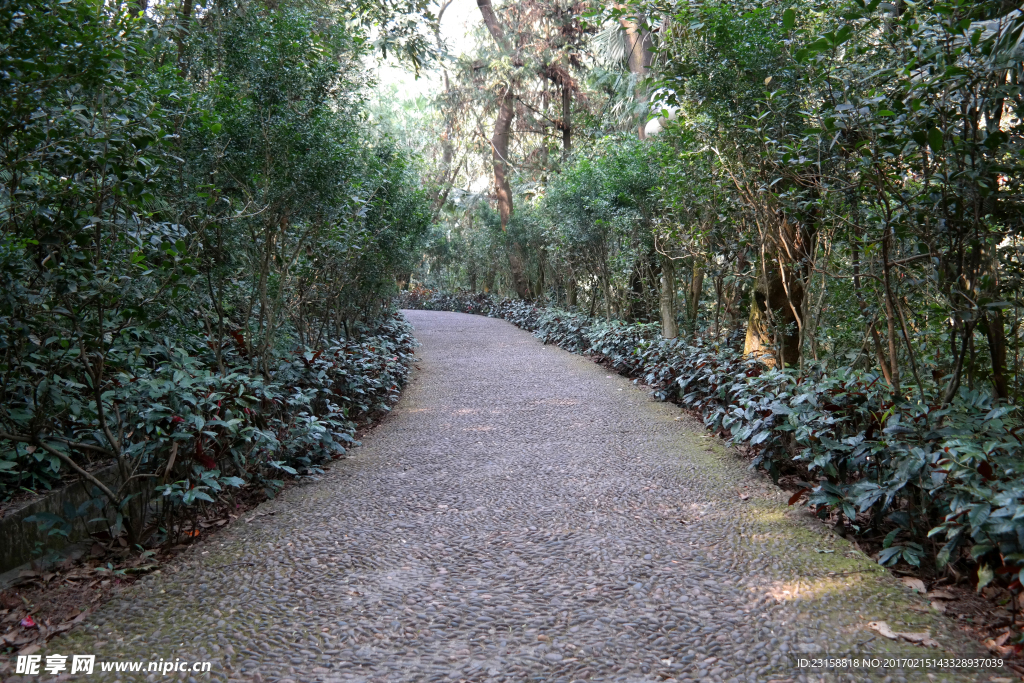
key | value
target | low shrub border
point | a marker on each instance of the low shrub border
(323, 398)
(942, 483)
(198, 432)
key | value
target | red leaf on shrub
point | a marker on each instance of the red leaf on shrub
(201, 456)
(240, 341)
(797, 496)
(985, 470)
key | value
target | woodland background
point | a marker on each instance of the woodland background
(802, 219)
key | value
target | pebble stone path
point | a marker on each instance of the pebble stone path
(524, 515)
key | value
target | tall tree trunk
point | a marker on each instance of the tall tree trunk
(503, 190)
(499, 156)
(667, 299)
(758, 341)
(184, 16)
(773, 295)
(994, 327)
(693, 294)
(638, 58)
(494, 26)
(993, 321)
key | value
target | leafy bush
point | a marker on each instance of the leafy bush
(198, 248)
(198, 430)
(917, 472)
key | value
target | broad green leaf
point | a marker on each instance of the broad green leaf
(789, 18)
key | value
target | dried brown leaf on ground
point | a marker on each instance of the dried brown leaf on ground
(883, 628)
(941, 595)
(914, 584)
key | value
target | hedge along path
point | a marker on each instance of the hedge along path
(523, 515)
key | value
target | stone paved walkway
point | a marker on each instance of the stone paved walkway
(522, 516)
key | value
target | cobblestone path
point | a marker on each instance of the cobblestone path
(522, 516)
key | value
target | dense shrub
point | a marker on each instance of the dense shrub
(198, 430)
(940, 482)
(199, 241)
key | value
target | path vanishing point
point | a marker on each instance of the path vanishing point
(523, 515)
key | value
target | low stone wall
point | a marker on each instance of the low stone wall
(22, 542)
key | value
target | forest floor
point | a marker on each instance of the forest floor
(524, 515)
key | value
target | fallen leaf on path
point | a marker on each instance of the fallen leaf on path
(82, 615)
(796, 496)
(914, 584)
(917, 638)
(28, 622)
(941, 595)
(882, 628)
(29, 649)
(995, 647)
(938, 606)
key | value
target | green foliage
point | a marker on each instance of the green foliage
(198, 250)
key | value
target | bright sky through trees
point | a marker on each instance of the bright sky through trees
(460, 20)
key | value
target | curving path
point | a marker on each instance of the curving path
(522, 516)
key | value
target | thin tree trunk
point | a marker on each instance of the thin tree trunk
(667, 299)
(873, 329)
(693, 296)
(954, 381)
(607, 299)
(995, 331)
(566, 121)
(541, 265)
(890, 314)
